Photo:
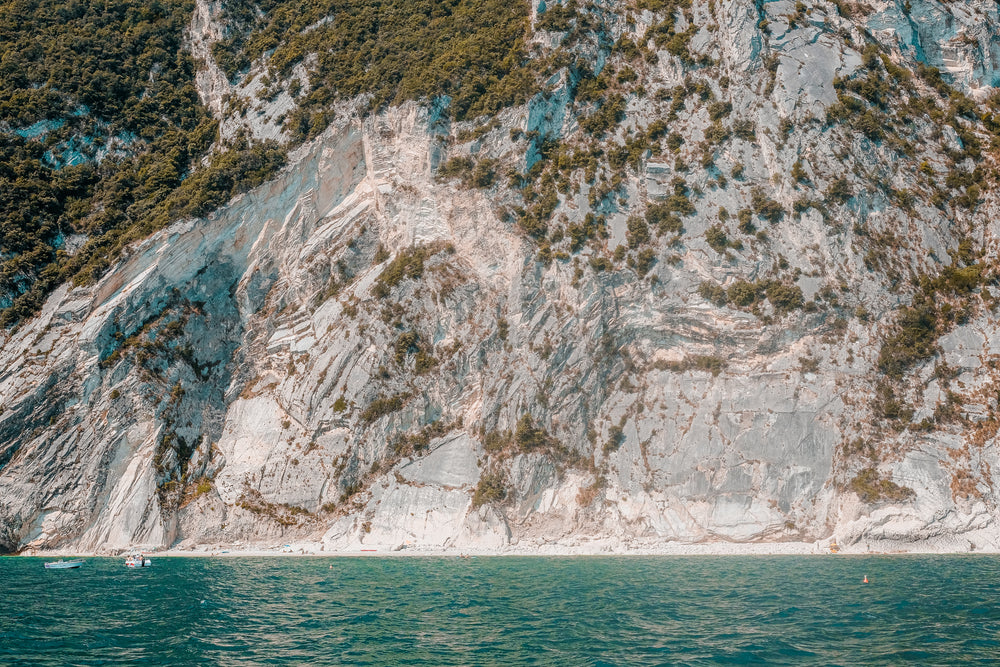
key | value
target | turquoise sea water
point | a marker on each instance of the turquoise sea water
(504, 611)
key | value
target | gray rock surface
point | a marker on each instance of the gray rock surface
(215, 387)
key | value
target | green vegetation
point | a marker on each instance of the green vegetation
(156, 346)
(408, 444)
(839, 191)
(637, 231)
(492, 488)
(783, 296)
(607, 116)
(472, 174)
(644, 261)
(381, 407)
(409, 343)
(172, 453)
(616, 436)
(407, 265)
(202, 485)
(712, 292)
(406, 343)
(528, 437)
(678, 202)
(283, 514)
(115, 82)
(941, 303)
(556, 17)
(799, 174)
(472, 51)
(743, 293)
(717, 239)
(112, 79)
(766, 207)
(871, 487)
(665, 33)
(699, 362)
(914, 339)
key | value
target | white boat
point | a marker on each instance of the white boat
(63, 564)
(137, 560)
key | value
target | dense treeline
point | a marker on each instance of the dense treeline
(107, 87)
(105, 79)
(472, 51)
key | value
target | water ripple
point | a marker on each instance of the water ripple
(503, 611)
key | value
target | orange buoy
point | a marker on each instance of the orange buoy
(866, 579)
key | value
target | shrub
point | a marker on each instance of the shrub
(409, 443)
(744, 129)
(406, 343)
(716, 238)
(381, 407)
(839, 191)
(492, 488)
(616, 436)
(719, 110)
(409, 264)
(743, 293)
(626, 75)
(610, 113)
(871, 487)
(766, 207)
(913, 341)
(484, 175)
(799, 173)
(887, 406)
(657, 129)
(660, 217)
(715, 133)
(529, 437)
(678, 202)
(712, 292)
(638, 231)
(423, 362)
(710, 363)
(600, 263)
(459, 167)
(784, 298)
(556, 17)
(644, 261)
(495, 442)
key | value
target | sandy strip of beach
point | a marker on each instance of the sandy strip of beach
(314, 549)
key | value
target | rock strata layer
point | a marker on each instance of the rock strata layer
(362, 354)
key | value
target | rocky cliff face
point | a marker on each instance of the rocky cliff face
(768, 320)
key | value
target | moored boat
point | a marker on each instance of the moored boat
(137, 560)
(63, 564)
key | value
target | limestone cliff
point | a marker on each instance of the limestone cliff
(705, 341)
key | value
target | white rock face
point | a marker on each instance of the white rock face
(239, 380)
(960, 38)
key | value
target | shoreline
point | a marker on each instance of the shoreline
(315, 550)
